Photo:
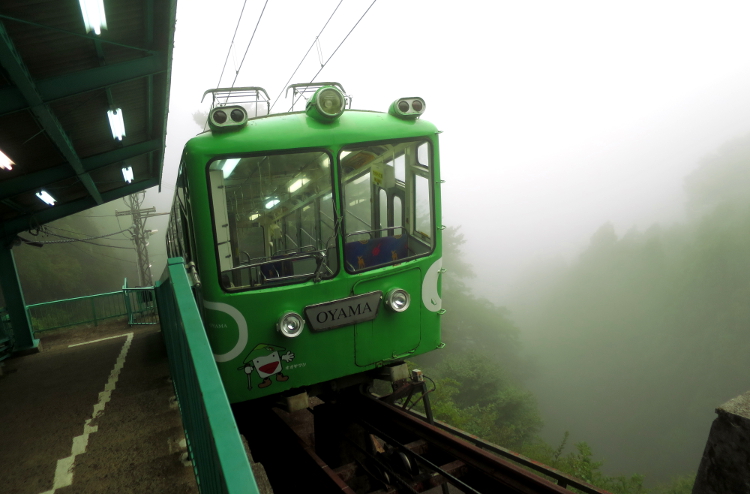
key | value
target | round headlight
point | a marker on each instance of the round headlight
(417, 105)
(237, 115)
(330, 102)
(397, 300)
(403, 106)
(220, 117)
(290, 324)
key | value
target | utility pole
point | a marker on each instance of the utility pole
(140, 235)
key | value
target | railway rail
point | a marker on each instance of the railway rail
(362, 444)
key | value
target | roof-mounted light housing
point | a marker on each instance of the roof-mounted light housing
(227, 118)
(407, 108)
(326, 105)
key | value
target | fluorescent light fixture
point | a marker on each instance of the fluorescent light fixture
(272, 203)
(116, 123)
(5, 162)
(297, 184)
(93, 15)
(228, 166)
(253, 217)
(127, 174)
(44, 196)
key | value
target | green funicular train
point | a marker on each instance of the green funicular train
(315, 238)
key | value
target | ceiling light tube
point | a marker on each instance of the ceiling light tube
(116, 123)
(93, 15)
(297, 184)
(127, 174)
(5, 162)
(45, 197)
(228, 166)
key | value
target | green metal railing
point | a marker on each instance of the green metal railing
(6, 335)
(73, 311)
(219, 459)
(140, 303)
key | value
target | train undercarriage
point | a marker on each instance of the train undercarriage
(355, 441)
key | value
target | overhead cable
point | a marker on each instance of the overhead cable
(85, 240)
(337, 49)
(218, 84)
(249, 43)
(306, 53)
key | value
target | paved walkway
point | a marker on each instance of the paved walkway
(92, 415)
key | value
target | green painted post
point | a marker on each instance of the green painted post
(93, 310)
(15, 303)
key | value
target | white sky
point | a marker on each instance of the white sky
(557, 116)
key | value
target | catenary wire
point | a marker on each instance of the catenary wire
(306, 53)
(237, 73)
(86, 235)
(229, 51)
(334, 51)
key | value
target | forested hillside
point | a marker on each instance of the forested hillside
(73, 269)
(639, 339)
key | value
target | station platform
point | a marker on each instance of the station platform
(93, 412)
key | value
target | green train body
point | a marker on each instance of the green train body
(322, 218)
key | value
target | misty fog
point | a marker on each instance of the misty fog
(596, 172)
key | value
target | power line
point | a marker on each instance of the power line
(237, 73)
(104, 255)
(85, 234)
(71, 239)
(218, 84)
(337, 49)
(308, 51)
(248, 45)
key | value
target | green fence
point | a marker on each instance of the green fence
(73, 311)
(219, 459)
(140, 303)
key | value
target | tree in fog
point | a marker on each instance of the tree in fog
(72, 269)
(642, 336)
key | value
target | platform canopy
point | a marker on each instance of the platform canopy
(58, 81)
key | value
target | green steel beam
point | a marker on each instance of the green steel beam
(14, 302)
(19, 75)
(12, 99)
(13, 205)
(15, 226)
(163, 130)
(31, 181)
(80, 35)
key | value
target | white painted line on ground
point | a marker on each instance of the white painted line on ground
(100, 339)
(65, 466)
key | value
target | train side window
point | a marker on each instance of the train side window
(358, 210)
(383, 208)
(398, 214)
(423, 156)
(387, 203)
(423, 220)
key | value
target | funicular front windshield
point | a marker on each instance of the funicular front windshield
(273, 218)
(387, 203)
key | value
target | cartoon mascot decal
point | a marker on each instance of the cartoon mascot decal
(265, 359)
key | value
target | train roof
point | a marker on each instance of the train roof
(298, 130)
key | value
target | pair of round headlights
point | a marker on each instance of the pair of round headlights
(220, 116)
(291, 324)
